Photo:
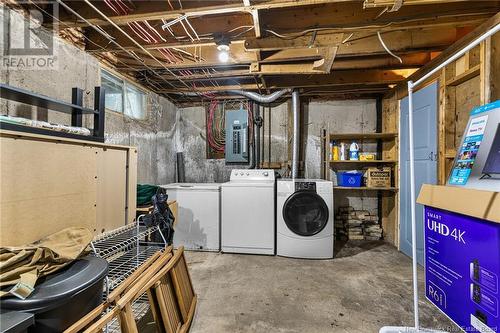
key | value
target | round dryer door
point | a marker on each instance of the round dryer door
(305, 213)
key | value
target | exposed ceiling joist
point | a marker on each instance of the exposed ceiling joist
(337, 79)
(275, 43)
(201, 11)
(392, 3)
(255, 18)
(401, 89)
(101, 44)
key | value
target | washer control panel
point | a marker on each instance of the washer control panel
(252, 175)
(305, 186)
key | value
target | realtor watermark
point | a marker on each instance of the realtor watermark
(28, 42)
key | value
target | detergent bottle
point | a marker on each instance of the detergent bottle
(354, 152)
(335, 151)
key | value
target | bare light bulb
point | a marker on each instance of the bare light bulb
(223, 52)
(223, 56)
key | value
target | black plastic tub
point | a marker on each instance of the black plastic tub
(60, 299)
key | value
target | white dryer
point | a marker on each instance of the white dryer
(305, 218)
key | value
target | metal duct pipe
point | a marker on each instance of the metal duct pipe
(252, 146)
(257, 126)
(262, 99)
(181, 176)
(296, 133)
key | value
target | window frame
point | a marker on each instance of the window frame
(125, 85)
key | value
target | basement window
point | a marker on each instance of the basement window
(123, 97)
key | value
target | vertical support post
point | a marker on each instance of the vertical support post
(99, 112)
(378, 107)
(412, 199)
(76, 99)
(296, 133)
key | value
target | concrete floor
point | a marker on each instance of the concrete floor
(367, 285)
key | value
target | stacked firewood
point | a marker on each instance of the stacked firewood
(357, 224)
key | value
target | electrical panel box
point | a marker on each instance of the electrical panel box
(237, 137)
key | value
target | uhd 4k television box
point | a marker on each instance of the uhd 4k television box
(378, 177)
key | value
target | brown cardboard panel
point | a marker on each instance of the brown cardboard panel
(45, 187)
(131, 184)
(174, 207)
(111, 189)
(47, 184)
(476, 203)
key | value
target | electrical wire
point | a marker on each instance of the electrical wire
(386, 48)
(296, 35)
(148, 37)
(111, 40)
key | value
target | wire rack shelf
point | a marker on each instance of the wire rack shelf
(121, 240)
(125, 249)
(122, 266)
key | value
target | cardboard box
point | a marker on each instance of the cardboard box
(376, 177)
(367, 157)
(476, 203)
(174, 207)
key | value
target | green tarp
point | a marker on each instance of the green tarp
(144, 194)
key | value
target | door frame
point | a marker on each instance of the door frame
(438, 117)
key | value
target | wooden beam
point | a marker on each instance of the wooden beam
(401, 90)
(275, 43)
(196, 12)
(362, 45)
(320, 66)
(374, 62)
(98, 43)
(363, 78)
(391, 3)
(350, 15)
(255, 17)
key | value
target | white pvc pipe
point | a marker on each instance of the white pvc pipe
(412, 198)
(411, 86)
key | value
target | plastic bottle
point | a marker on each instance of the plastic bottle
(335, 151)
(343, 149)
(354, 152)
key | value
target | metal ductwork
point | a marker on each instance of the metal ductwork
(266, 99)
(261, 99)
(296, 133)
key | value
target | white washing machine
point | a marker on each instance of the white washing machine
(305, 218)
(198, 212)
(247, 212)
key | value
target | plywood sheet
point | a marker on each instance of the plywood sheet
(112, 187)
(45, 187)
(131, 184)
(468, 96)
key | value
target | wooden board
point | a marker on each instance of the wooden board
(111, 192)
(50, 183)
(494, 79)
(45, 187)
(390, 151)
(467, 97)
(131, 183)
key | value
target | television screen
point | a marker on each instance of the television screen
(492, 165)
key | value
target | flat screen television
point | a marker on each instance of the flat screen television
(492, 165)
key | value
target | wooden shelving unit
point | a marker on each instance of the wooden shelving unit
(364, 162)
(386, 155)
(364, 188)
(363, 136)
